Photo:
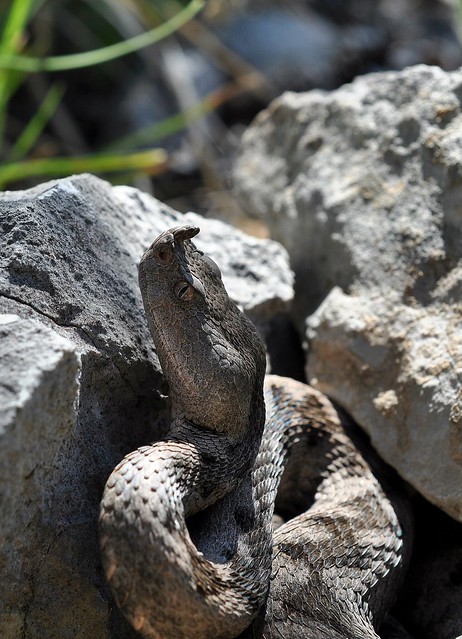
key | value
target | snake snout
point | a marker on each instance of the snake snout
(163, 248)
(185, 232)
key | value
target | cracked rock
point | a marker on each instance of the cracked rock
(363, 187)
(80, 383)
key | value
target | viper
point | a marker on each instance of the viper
(187, 528)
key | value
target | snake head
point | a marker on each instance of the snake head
(171, 260)
(210, 352)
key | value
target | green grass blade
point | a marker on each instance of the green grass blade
(105, 54)
(14, 26)
(9, 44)
(151, 162)
(37, 123)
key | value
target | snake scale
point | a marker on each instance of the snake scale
(186, 529)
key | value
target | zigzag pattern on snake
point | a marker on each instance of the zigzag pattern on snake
(186, 528)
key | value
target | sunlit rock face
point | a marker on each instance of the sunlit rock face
(363, 187)
(80, 382)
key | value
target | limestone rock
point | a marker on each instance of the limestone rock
(39, 391)
(362, 186)
(80, 382)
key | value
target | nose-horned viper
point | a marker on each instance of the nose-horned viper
(186, 523)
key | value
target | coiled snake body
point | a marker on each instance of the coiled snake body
(186, 523)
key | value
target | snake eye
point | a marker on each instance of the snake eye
(183, 290)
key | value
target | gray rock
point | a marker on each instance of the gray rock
(80, 383)
(362, 186)
(39, 391)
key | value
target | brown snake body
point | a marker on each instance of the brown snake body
(186, 523)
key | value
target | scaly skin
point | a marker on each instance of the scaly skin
(185, 523)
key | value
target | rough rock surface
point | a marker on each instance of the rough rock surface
(363, 187)
(80, 382)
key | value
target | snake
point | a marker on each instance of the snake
(258, 514)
